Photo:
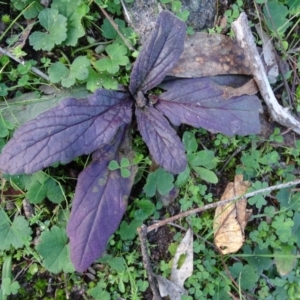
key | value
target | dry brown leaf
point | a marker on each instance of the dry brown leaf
(249, 88)
(210, 54)
(24, 35)
(230, 219)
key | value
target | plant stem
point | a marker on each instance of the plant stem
(14, 21)
(222, 202)
(126, 12)
(115, 26)
(89, 46)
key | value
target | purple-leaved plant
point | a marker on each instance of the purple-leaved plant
(100, 124)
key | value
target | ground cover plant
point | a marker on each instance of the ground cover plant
(98, 123)
(35, 207)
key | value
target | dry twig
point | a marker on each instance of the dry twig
(246, 41)
(142, 231)
(33, 69)
(222, 202)
(115, 26)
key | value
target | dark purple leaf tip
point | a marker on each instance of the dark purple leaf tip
(163, 142)
(159, 54)
(99, 204)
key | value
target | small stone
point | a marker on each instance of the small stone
(142, 14)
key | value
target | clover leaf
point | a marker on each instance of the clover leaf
(99, 293)
(97, 80)
(56, 26)
(40, 189)
(13, 234)
(32, 7)
(116, 57)
(54, 249)
(128, 231)
(57, 72)
(79, 70)
(160, 180)
(74, 11)
(10, 287)
(246, 275)
(258, 200)
(283, 227)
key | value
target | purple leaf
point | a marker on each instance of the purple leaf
(199, 103)
(99, 204)
(72, 128)
(227, 80)
(161, 139)
(159, 54)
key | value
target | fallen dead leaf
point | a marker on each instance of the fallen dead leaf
(185, 249)
(231, 219)
(24, 35)
(210, 54)
(249, 88)
(182, 268)
(28, 209)
(168, 288)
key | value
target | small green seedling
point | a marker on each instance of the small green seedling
(200, 162)
(123, 166)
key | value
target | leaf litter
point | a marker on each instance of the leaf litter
(182, 268)
(231, 219)
(210, 54)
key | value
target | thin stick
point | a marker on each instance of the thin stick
(115, 26)
(222, 202)
(126, 13)
(197, 235)
(237, 151)
(142, 231)
(33, 69)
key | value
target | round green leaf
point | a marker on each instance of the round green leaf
(125, 173)
(57, 72)
(54, 249)
(190, 142)
(125, 163)
(113, 165)
(56, 26)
